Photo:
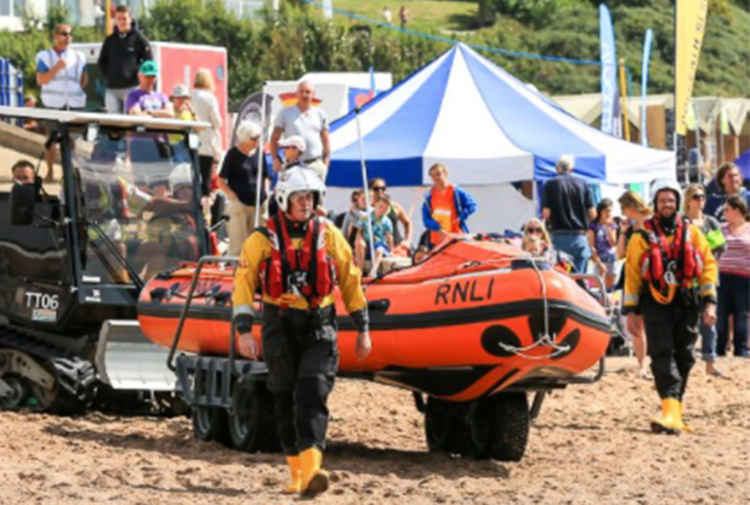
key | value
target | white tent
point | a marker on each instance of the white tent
(489, 128)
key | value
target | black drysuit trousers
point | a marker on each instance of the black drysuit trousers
(671, 333)
(299, 348)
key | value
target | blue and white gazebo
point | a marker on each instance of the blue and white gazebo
(486, 126)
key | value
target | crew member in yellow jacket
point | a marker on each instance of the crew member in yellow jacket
(670, 276)
(296, 260)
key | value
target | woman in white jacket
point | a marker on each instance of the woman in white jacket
(207, 109)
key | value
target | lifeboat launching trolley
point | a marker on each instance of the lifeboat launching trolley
(474, 328)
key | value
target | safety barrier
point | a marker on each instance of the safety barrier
(11, 84)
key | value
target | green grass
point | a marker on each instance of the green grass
(424, 15)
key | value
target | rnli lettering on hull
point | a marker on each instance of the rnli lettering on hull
(469, 290)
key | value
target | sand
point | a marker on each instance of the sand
(590, 444)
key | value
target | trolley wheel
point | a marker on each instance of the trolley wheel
(210, 423)
(511, 426)
(441, 426)
(244, 416)
(478, 430)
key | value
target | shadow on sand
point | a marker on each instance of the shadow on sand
(341, 456)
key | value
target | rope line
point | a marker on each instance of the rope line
(448, 40)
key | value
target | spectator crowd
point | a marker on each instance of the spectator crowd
(589, 234)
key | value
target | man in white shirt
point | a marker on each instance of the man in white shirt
(61, 73)
(310, 123)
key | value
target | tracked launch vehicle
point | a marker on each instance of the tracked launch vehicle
(74, 254)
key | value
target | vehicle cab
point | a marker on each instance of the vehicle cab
(77, 252)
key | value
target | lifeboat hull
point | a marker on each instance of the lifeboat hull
(456, 337)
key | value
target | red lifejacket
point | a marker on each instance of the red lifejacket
(679, 257)
(309, 269)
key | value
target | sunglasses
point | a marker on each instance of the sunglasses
(699, 196)
(533, 230)
(378, 188)
(65, 34)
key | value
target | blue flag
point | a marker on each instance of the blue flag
(609, 69)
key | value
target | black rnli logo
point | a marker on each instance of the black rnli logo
(465, 290)
(500, 340)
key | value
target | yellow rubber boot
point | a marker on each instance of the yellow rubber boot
(295, 473)
(669, 420)
(314, 479)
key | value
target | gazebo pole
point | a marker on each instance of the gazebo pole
(260, 148)
(371, 244)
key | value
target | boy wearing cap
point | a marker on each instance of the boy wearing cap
(145, 100)
(181, 102)
(293, 147)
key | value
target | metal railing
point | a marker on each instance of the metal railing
(186, 308)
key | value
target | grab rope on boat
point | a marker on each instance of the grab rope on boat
(544, 340)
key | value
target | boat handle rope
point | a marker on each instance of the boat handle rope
(545, 339)
(545, 302)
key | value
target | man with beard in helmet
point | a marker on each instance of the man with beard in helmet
(671, 274)
(296, 259)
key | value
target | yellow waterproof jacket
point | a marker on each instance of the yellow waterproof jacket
(257, 248)
(638, 246)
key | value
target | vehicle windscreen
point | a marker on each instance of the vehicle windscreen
(137, 204)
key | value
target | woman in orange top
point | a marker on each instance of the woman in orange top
(446, 207)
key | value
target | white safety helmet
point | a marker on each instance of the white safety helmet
(181, 175)
(659, 185)
(298, 178)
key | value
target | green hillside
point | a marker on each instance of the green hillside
(297, 40)
(571, 30)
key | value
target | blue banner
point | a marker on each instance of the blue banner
(644, 82)
(609, 69)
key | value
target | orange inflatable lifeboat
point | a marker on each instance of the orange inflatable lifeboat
(474, 318)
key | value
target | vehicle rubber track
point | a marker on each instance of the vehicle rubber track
(75, 377)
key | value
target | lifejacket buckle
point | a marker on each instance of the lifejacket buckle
(669, 273)
(296, 281)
